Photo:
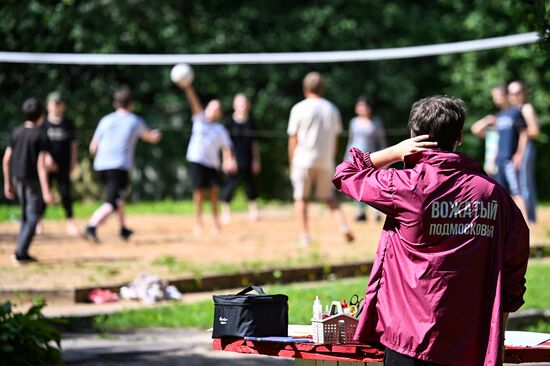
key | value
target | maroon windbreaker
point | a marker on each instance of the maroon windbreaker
(451, 259)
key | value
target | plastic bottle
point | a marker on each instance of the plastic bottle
(317, 309)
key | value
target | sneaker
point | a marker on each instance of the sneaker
(72, 230)
(349, 236)
(89, 233)
(361, 217)
(254, 215)
(22, 260)
(126, 233)
(305, 241)
(225, 219)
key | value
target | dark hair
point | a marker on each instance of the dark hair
(122, 97)
(313, 82)
(363, 99)
(503, 88)
(440, 117)
(32, 109)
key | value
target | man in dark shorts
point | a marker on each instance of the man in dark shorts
(61, 133)
(113, 145)
(25, 174)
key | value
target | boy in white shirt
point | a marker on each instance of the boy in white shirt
(208, 138)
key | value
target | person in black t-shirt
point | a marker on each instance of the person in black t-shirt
(241, 128)
(62, 158)
(25, 174)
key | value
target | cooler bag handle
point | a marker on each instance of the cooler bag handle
(258, 289)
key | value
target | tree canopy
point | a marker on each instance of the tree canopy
(138, 26)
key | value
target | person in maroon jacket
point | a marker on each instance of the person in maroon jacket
(451, 261)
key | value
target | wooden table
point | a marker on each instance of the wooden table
(310, 354)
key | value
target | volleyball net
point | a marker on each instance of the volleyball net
(270, 58)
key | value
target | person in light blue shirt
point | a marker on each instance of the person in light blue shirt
(367, 134)
(117, 135)
(113, 145)
(209, 140)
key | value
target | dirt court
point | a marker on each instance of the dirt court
(165, 245)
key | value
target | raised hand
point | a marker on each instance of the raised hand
(398, 152)
(413, 145)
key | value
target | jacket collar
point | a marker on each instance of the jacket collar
(443, 160)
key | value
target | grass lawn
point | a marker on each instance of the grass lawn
(12, 211)
(301, 297)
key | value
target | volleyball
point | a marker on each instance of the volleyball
(182, 74)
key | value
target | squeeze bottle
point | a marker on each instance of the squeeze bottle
(317, 309)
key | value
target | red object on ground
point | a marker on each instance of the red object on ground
(352, 352)
(99, 296)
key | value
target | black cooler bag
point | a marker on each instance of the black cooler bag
(250, 315)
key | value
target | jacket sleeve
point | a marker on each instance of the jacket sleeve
(359, 179)
(516, 255)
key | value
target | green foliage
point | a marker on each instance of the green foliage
(12, 211)
(173, 264)
(103, 273)
(540, 327)
(170, 316)
(29, 338)
(471, 75)
(536, 13)
(538, 278)
(137, 26)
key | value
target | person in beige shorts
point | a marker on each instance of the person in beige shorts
(313, 129)
(303, 180)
